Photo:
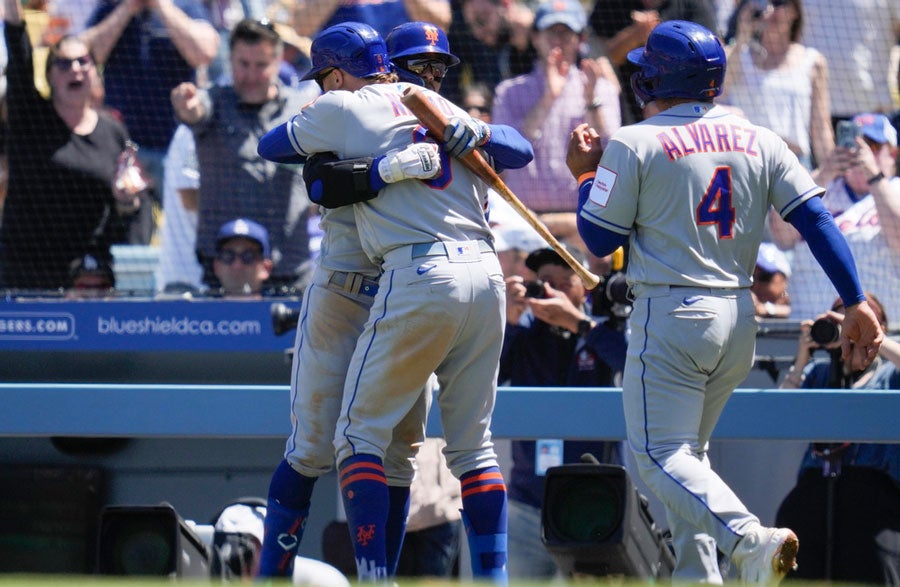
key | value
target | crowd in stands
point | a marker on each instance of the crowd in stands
(798, 67)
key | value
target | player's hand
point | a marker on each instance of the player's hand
(417, 161)
(464, 134)
(861, 336)
(584, 151)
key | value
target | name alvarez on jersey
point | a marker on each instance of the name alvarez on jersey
(705, 137)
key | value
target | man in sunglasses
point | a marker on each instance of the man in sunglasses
(242, 262)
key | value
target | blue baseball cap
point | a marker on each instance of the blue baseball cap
(246, 228)
(876, 127)
(568, 12)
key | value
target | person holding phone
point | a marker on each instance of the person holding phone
(863, 194)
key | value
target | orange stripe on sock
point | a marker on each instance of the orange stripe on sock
(482, 489)
(483, 477)
(362, 477)
(362, 464)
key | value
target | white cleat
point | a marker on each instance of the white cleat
(765, 555)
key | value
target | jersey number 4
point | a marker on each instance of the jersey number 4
(716, 206)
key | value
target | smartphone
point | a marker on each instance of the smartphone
(846, 133)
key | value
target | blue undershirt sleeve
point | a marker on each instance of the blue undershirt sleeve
(508, 148)
(829, 247)
(600, 241)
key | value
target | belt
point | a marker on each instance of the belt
(439, 249)
(355, 283)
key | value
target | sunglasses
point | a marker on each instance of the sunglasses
(418, 67)
(228, 256)
(65, 64)
(320, 77)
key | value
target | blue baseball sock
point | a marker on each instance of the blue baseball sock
(366, 501)
(286, 513)
(484, 517)
(396, 525)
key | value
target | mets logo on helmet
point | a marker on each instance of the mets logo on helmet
(431, 35)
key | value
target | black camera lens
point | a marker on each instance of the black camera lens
(617, 289)
(535, 289)
(825, 331)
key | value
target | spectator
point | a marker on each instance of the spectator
(61, 202)
(178, 271)
(91, 276)
(493, 41)
(863, 193)
(845, 507)
(856, 38)
(622, 25)
(513, 241)
(66, 17)
(770, 281)
(776, 81)
(551, 340)
(227, 122)
(146, 48)
(243, 258)
(312, 16)
(477, 100)
(545, 105)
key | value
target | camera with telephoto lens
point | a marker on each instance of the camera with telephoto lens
(535, 289)
(825, 331)
(284, 318)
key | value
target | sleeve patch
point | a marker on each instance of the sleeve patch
(603, 185)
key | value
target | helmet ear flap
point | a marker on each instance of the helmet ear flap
(642, 88)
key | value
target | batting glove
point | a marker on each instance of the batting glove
(464, 134)
(417, 161)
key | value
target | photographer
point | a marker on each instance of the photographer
(846, 505)
(552, 339)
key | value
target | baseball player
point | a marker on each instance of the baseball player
(292, 482)
(421, 55)
(689, 189)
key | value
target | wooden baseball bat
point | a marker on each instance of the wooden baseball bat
(435, 121)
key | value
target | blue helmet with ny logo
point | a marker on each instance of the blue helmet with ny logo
(681, 59)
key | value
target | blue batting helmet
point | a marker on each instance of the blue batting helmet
(681, 59)
(422, 40)
(354, 47)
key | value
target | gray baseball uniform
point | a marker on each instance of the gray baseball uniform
(335, 308)
(686, 186)
(439, 306)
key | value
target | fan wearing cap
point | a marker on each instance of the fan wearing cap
(559, 343)
(770, 281)
(564, 89)
(227, 121)
(242, 263)
(863, 194)
(91, 276)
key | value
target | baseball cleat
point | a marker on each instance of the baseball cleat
(765, 555)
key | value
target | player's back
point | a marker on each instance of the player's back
(704, 180)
